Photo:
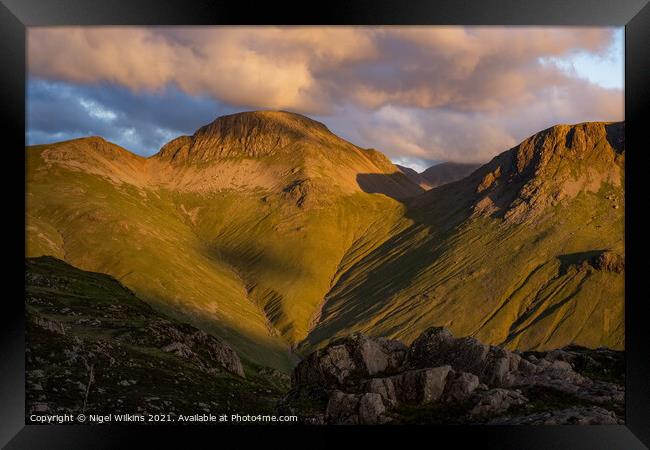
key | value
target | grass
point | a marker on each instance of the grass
(250, 267)
(428, 275)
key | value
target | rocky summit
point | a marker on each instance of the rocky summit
(440, 378)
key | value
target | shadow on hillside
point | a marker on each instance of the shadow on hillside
(448, 204)
(575, 259)
(395, 185)
(615, 133)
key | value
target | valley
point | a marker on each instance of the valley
(267, 230)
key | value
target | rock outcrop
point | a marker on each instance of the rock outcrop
(362, 380)
(357, 356)
(203, 349)
(549, 167)
(611, 262)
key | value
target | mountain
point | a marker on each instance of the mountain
(276, 151)
(443, 173)
(414, 176)
(272, 233)
(447, 172)
(94, 346)
(239, 229)
(527, 252)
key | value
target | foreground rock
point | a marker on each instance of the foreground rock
(357, 356)
(92, 346)
(441, 378)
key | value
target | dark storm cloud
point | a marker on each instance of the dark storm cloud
(141, 122)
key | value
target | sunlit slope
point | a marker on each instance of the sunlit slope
(137, 235)
(239, 232)
(288, 259)
(527, 252)
(282, 201)
(277, 152)
(268, 230)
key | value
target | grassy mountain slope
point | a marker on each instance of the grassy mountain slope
(240, 229)
(526, 252)
(138, 235)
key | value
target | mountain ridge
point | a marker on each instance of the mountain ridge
(269, 150)
(267, 233)
(549, 218)
(272, 252)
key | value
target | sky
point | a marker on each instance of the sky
(421, 95)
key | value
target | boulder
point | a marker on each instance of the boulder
(369, 355)
(493, 365)
(460, 386)
(496, 401)
(220, 352)
(351, 409)
(556, 374)
(357, 355)
(329, 366)
(420, 386)
(371, 409)
(395, 351)
(437, 347)
(342, 408)
(383, 387)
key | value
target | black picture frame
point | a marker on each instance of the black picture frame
(16, 15)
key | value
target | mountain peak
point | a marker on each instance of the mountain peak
(555, 164)
(269, 121)
(249, 134)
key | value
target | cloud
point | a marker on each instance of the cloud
(142, 122)
(426, 93)
(269, 67)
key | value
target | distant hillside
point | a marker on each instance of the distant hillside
(443, 173)
(414, 176)
(447, 172)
